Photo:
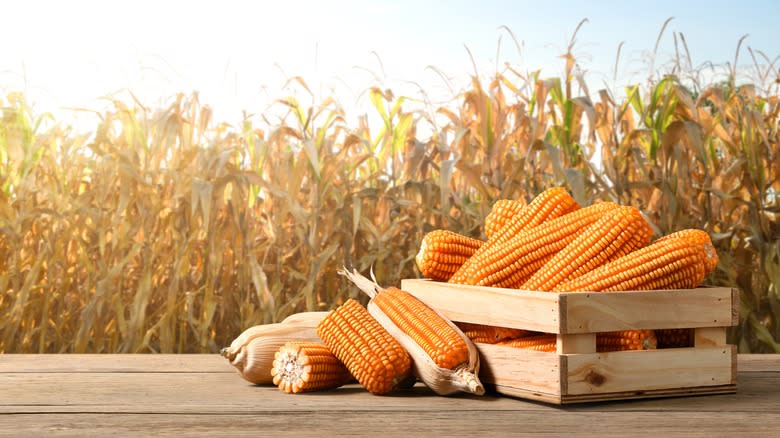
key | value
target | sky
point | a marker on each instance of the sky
(239, 55)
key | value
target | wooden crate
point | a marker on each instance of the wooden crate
(576, 373)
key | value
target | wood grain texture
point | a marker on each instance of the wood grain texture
(538, 311)
(578, 312)
(405, 424)
(587, 312)
(535, 371)
(92, 396)
(113, 363)
(759, 362)
(587, 377)
(630, 371)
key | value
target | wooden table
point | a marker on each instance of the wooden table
(160, 395)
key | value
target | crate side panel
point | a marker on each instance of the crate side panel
(627, 371)
(640, 394)
(589, 312)
(538, 311)
(526, 371)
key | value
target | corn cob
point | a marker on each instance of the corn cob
(544, 342)
(550, 204)
(617, 233)
(371, 354)
(252, 352)
(674, 338)
(442, 252)
(626, 340)
(488, 334)
(672, 263)
(612, 341)
(440, 342)
(513, 262)
(307, 366)
(699, 237)
(442, 356)
(502, 212)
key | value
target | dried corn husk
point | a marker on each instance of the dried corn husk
(463, 377)
(252, 352)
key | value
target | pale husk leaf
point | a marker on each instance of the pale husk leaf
(255, 361)
(252, 352)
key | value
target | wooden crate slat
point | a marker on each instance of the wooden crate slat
(579, 312)
(648, 370)
(509, 367)
(538, 311)
(588, 312)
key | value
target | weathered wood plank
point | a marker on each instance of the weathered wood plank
(113, 363)
(129, 401)
(359, 423)
(759, 362)
(182, 393)
(101, 398)
(199, 392)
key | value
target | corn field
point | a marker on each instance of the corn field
(164, 230)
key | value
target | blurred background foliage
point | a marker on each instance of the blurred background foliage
(164, 230)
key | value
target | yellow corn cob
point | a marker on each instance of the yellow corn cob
(626, 340)
(370, 353)
(698, 237)
(617, 233)
(442, 252)
(511, 263)
(545, 342)
(612, 341)
(550, 204)
(443, 357)
(307, 366)
(503, 210)
(672, 263)
(674, 338)
(488, 334)
(445, 346)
